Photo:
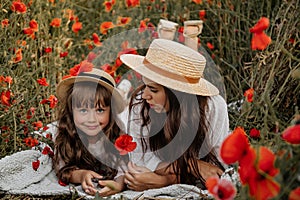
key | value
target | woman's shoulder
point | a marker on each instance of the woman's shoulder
(217, 101)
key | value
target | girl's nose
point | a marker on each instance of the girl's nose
(92, 116)
(146, 94)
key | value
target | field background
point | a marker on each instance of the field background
(273, 73)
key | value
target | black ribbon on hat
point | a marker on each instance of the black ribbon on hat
(83, 74)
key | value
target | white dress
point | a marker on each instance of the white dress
(218, 130)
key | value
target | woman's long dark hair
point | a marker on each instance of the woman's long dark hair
(184, 128)
(70, 143)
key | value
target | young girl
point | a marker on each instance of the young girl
(84, 144)
(177, 116)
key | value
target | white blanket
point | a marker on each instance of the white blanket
(18, 177)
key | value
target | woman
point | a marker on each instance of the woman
(177, 117)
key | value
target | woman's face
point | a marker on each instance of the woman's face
(155, 96)
(91, 120)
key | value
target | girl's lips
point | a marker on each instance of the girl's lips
(92, 127)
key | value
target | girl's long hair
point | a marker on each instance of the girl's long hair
(70, 142)
(182, 134)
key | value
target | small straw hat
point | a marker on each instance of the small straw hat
(96, 76)
(172, 65)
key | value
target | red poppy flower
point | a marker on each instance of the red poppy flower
(254, 133)
(74, 71)
(262, 24)
(48, 50)
(295, 194)
(221, 189)
(262, 188)
(7, 79)
(180, 34)
(197, 1)
(76, 27)
(29, 32)
(47, 151)
(202, 14)
(52, 101)
(260, 40)
(42, 81)
(18, 57)
(30, 113)
(34, 25)
(210, 45)
(4, 23)
(143, 26)
(234, 146)
(266, 162)
(60, 182)
(37, 125)
(249, 94)
(124, 144)
(132, 3)
(125, 51)
(292, 134)
(85, 66)
(18, 6)
(106, 67)
(55, 22)
(96, 40)
(108, 6)
(36, 165)
(6, 98)
(105, 26)
(247, 168)
(63, 54)
(121, 21)
(31, 142)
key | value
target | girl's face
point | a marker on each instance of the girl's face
(155, 96)
(91, 120)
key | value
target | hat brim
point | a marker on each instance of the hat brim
(65, 84)
(202, 87)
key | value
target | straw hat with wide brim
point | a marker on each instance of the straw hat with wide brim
(172, 65)
(96, 76)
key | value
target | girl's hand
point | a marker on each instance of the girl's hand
(110, 187)
(86, 181)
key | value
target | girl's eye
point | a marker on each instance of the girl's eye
(100, 110)
(83, 110)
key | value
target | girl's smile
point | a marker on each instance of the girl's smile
(91, 120)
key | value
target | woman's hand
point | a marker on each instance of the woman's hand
(207, 170)
(141, 178)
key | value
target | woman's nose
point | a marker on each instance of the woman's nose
(146, 94)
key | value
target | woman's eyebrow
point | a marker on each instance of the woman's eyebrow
(151, 86)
